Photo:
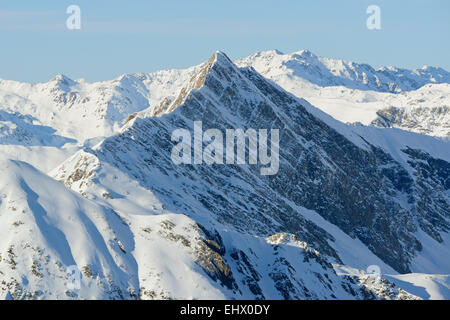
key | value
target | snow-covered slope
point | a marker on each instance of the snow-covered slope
(46, 228)
(18, 129)
(128, 256)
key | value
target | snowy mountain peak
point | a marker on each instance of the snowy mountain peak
(218, 61)
(221, 56)
(305, 53)
(63, 82)
(273, 52)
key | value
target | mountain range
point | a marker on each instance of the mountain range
(363, 184)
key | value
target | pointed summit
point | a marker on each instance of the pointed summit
(219, 64)
(305, 55)
(218, 58)
(305, 52)
(63, 82)
(221, 57)
(62, 79)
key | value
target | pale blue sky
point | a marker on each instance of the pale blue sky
(119, 37)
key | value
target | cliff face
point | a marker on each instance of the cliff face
(425, 120)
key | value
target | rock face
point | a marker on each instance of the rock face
(426, 120)
(360, 187)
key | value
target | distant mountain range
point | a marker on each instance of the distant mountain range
(326, 72)
(363, 184)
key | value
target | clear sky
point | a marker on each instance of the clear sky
(119, 37)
